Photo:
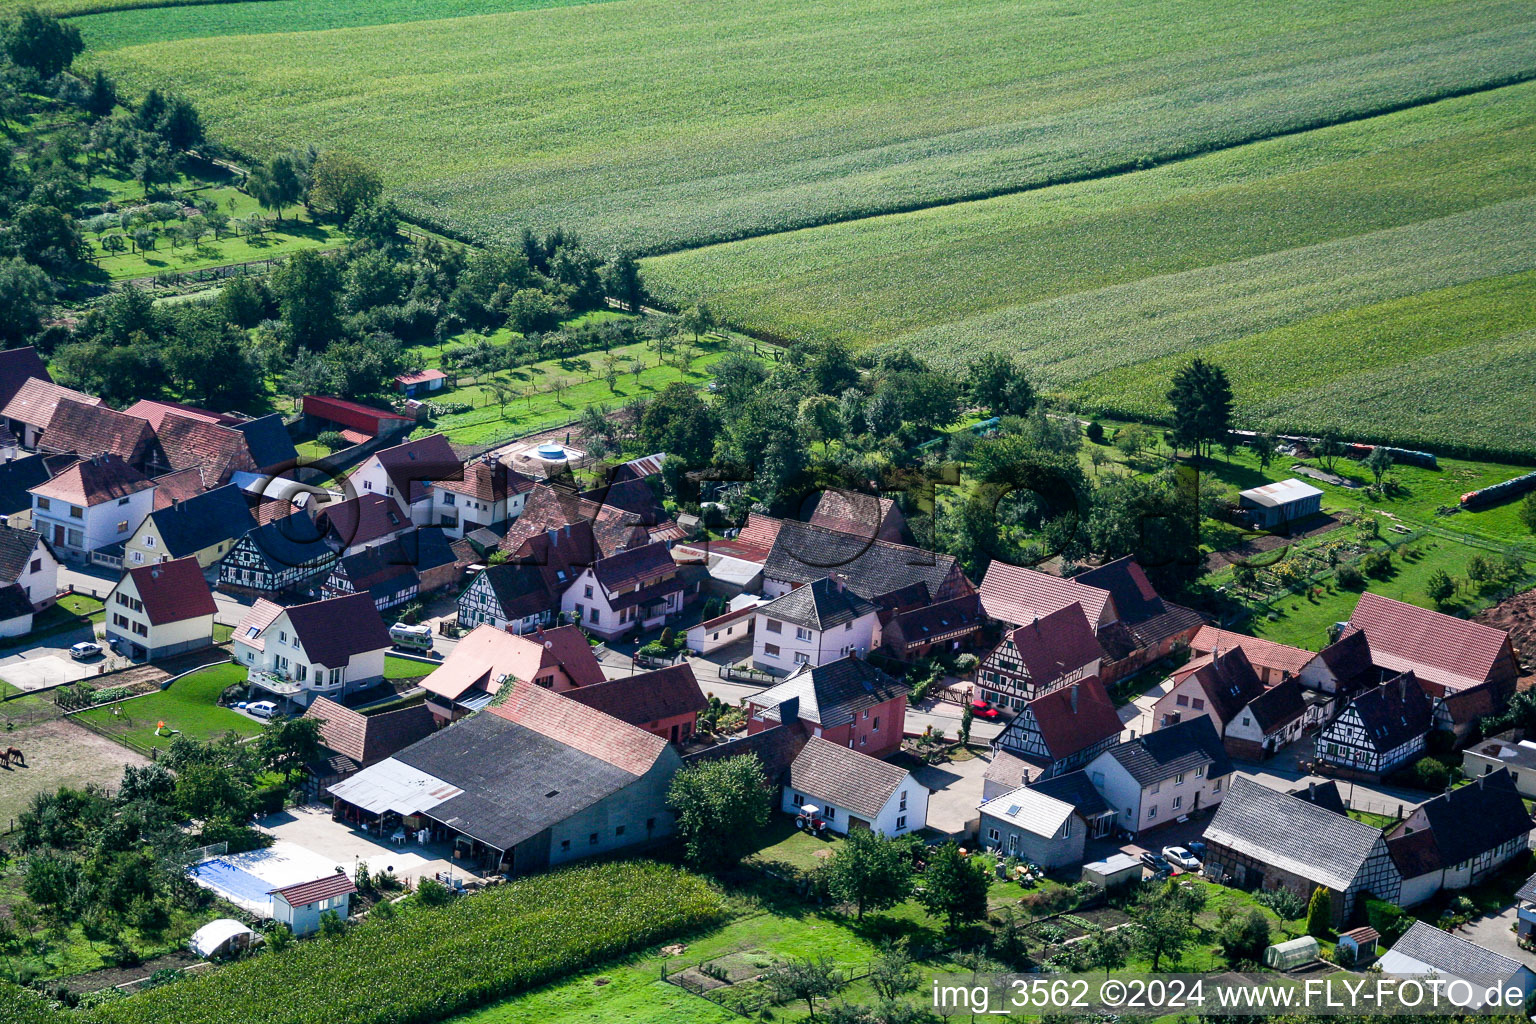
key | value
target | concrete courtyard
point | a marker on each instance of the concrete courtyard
(311, 827)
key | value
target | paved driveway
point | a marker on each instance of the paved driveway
(47, 666)
(1497, 932)
(955, 791)
(311, 827)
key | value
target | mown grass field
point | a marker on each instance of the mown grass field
(679, 122)
(190, 706)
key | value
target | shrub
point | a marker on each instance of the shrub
(1243, 938)
(332, 925)
(1285, 903)
(110, 694)
(1095, 432)
(1320, 913)
(1376, 564)
(1350, 577)
(332, 440)
(1389, 920)
(279, 937)
(432, 893)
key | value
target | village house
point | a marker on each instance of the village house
(1425, 951)
(161, 609)
(489, 495)
(92, 504)
(945, 627)
(512, 596)
(861, 515)
(630, 591)
(1458, 714)
(27, 561)
(872, 569)
(357, 524)
(813, 625)
(1042, 655)
(1145, 627)
(216, 451)
(88, 429)
(1015, 596)
(487, 658)
(353, 740)
(395, 572)
(1217, 686)
(284, 554)
(1272, 721)
(1272, 662)
(851, 789)
(1034, 826)
(1379, 729)
(536, 781)
(734, 563)
(1264, 839)
(1060, 731)
(665, 702)
(850, 702)
(30, 409)
(1163, 776)
(324, 648)
(408, 473)
(204, 527)
(1473, 831)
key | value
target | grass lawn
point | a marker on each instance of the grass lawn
(1380, 821)
(83, 606)
(189, 706)
(396, 667)
(222, 633)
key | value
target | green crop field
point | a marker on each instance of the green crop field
(661, 124)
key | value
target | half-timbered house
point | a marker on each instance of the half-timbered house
(1053, 651)
(1380, 729)
(285, 554)
(1062, 730)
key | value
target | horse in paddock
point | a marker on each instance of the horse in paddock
(15, 754)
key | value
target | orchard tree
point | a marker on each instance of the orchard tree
(41, 43)
(955, 887)
(804, 978)
(1378, 462)
(26, 294)
(869, 871)
(720, 807)
(343, 184)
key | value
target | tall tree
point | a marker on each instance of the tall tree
(287, 744)
(343, 184)
(1378, 462)
(1202, 406)
(679, 423)
(26, 294)
(869, 871)
(720, 807)
(307, 287)
(623, 282)
(40, 42)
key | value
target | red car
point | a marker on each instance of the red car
(981, 709)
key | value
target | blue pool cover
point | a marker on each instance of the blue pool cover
(238, 885)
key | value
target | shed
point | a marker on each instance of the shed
(220, 938)
(299, 906)
(1285, 956)
(1280, 503)
(1113, 871)
(1359, 944)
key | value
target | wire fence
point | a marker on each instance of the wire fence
(715, 981)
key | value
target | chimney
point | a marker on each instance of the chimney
(1312, 790)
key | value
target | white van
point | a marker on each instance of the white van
(262, 709)
(416, 638)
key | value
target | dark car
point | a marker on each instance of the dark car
(1197, 848)
(1156, 863)
(981, 709)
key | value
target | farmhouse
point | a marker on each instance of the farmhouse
(1218, 686)
(354, 740)
(1272, 720)
(853, 790)
(1045, 654)
(1145, 628)
(1061, 730)
(1264, 839)
(850, 702)
(1445, 654)
(217, 452)
(929, 628)
(564, 528)
(813, 625)
(1163, 776)
(30, 409)
(1277, 505)
(1016, 596)
(1380, 729)
(1271, 661)
(536, 781)
(633, 590)
(325, 648)
(357, 524)
(89, 428)
(513, 596)
(283, 554)
(161, 609)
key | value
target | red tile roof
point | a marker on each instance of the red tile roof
(179, 485)
(90, 430)
(420, 377)
(548, 509)
(35, 401)
(487, 654)
(634, 566)
(368, 739)
(488, 482)
(1015, 595)
(1451, 653)
(305, 893)
(156, 411)
(216, 450)
(1261, 653)
(863, 515)
(1055, 644)
(1075, 717)
(172, 591)
(645, 698)
(566, 721)
(94, 481)
(252, 628)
